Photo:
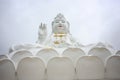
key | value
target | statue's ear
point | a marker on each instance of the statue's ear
(52, 23)
(52, 26)
(68, 24)
(40, 26)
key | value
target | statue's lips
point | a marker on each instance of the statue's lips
(59, 26)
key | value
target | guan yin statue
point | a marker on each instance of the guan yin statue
(60, 35)
(59, 57)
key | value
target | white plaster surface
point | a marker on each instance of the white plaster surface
(73, 54)
(7, 70)
(60, 68)
(18, 55)
(113, 68)
(90, 67)
(102, 53)
(46, 54)
(31, 69)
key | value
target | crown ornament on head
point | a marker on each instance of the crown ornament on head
(60, 16)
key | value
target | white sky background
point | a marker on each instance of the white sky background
(91, 21)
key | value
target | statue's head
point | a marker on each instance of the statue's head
(60, 25)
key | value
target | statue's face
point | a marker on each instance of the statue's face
(60, 26)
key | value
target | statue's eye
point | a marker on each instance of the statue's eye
(57, 21)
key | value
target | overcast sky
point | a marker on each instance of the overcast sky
(91, 21)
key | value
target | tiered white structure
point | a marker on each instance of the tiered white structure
(59, 57)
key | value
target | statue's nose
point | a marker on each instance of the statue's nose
(60, 22)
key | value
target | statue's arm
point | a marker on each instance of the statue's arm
(42, 33)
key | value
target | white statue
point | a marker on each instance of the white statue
(42, 33)
(60, 36)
